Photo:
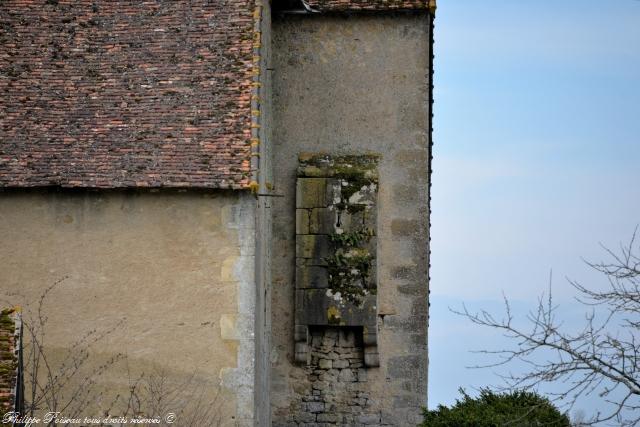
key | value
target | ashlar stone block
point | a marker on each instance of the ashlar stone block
(312, 247)
(314, 277)
(314, 192)
(323, 221)
(302, 221)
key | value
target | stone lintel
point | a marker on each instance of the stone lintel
(316, 307)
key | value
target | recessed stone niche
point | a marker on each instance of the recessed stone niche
(336, 286)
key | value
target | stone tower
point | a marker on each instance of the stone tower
(351, 145)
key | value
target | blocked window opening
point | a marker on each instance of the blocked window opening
(336, 281)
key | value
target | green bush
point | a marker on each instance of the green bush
(517, 409)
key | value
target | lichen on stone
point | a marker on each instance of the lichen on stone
(350, 266)
(333, 315)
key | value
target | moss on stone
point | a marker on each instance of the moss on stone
(350, 265)
(333, 316)
(351, 167)
(6, 321)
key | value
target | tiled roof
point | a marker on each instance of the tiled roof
(126, 93)
(371, 5)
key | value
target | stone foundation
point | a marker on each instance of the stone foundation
(337, 392)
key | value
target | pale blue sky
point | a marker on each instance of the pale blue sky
(536, 160)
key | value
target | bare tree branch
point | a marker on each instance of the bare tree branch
(603, 359)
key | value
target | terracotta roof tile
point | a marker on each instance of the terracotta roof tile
(125, 93)
(370, 5)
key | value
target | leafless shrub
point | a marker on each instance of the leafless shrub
(65, 386)
(68, 386)
(190, 401)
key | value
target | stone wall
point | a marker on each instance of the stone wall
(11, 390)
(167, 277)
(337, 391)
(263, 231)
(351, 85)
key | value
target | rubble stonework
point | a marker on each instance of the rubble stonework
(337, 393)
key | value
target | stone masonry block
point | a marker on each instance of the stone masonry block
(301, 333)
(371, 357)
(301, 352)
(369, 338)
(311, 193)
(228, 329)
(312, 247)
(312, 277)
(315, 407)
(302, 221)
(327, 418)
(355, 220)
(322, 221)
(300, 295)
(347, 376)
(341, 364)
(325, 364)
(369, 419)
(352, 221)
(314, 308)
(370, 217)
(372, 282)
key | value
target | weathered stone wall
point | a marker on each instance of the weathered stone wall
(263, 232)
(11, 393)
(172, 272)
(351, 85)
(337, 391)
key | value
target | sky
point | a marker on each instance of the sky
(536, 162)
